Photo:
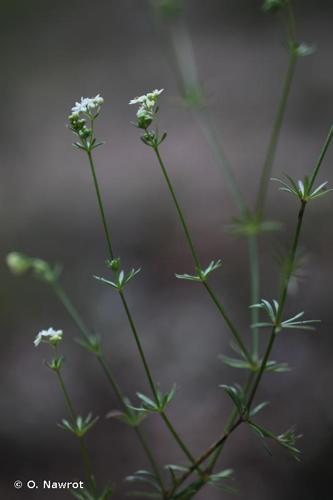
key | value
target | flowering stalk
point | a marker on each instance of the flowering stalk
(73, 313)
(53, 337)
(20, 264)
(146, 113)
(90, 108)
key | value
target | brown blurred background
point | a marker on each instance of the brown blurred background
(54, 52)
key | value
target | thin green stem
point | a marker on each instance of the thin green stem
(138, 344)
(321, 158)
(100, 205)
(110, 377)
(275, 135)
(151, 458)
(178, 438)
(67, 398)
(179, 210)
(83, 449)
(282, 301)
(150, 378)
(87, 464)
(255, 287)
(231, 421)
(205, 122)
(69, 307)
(226, 318)
(211, 293)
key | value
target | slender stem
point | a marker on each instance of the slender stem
(150, 378)
(321, 158)
(196, 258)
(203, 458)
(282, 301)
(71, 310)
(205, 122)
(255, 287)
(178, 439)
(138, 344)
(226, 318)
(275, 135)
(179, 210)
(231, 421)
(100, 205)
(83, 449)
(67, 398)
(110, 377)
(151, 458)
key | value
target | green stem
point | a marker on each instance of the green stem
(255, 287)
(226, 318)
(151, 458)
(196, 258)
(177, 438)
(179, 210)
(231, 421)
(138, 344)
(282, 301)
(83, 449)
(69, 307)
(100, 205)
(150, 378)
(209, 132)
(275, 135)
(321, 158)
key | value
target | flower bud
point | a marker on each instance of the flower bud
(18, 263)
(113, 264)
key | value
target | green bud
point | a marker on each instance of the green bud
(18, 263)
(56, 364)
(84, 133)
(144, 122)
(113, 264)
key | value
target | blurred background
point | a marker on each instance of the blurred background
(54, 52)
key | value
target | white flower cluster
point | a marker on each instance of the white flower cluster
(147, 106)
(50, 336)
(87, 105)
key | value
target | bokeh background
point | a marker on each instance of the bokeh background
(54, 52)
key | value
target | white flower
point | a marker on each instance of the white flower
(148, 99)
(49, 336)
(87, 105)
(18, 263)
(138, 100)
(147, 107)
